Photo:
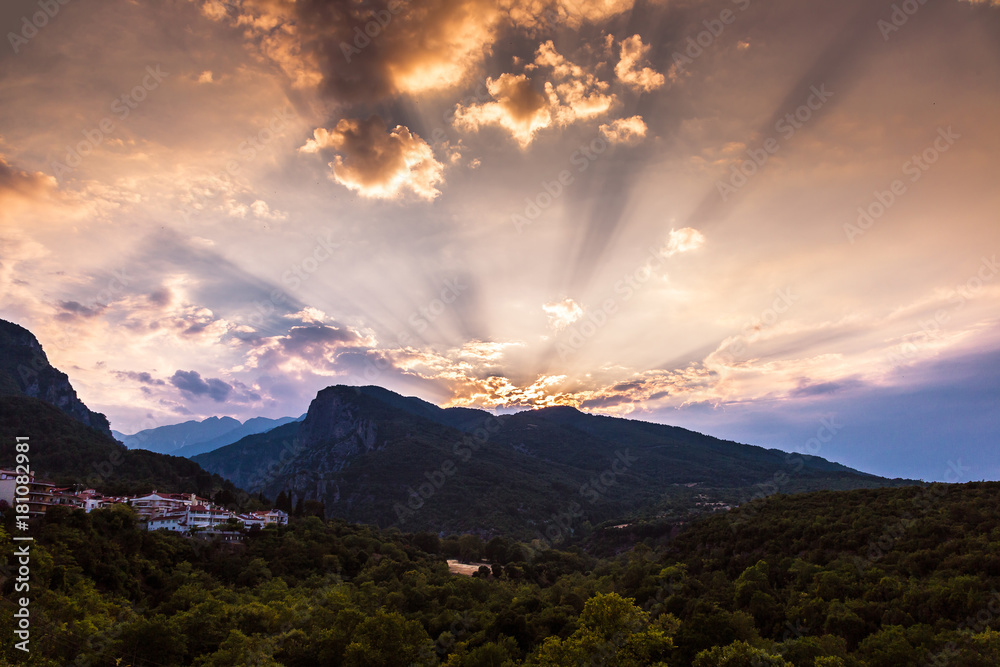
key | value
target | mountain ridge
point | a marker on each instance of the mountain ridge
(374, 456)
(195, 437)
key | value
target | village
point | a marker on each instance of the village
(187, 514)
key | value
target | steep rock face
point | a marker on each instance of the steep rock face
(25, 371)
(335, 416)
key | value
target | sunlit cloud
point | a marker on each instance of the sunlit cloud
(629, 131)
(632, 69)
(570, 94)
(681, 240)
(376, 162)
(518, 108)
(563, 313)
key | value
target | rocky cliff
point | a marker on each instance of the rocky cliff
(25, 371)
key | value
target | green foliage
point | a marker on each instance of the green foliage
(612, 631)
(331, 593)
(739, 654)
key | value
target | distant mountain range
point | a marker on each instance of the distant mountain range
(69, 443)
(373, 456)
(197, 437)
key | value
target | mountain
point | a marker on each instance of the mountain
(197, 437)
(251, 426)
(373, 456)
(25, 371)
(167, 439)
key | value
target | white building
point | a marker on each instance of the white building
(157, 504)
(172, 522)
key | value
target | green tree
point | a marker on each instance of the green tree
(889, 647)
(613, 630)
(739, 654)
(387, 639)
(238, 649)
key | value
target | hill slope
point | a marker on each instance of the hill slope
(373, 456)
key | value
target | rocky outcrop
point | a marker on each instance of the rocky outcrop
(25, 371)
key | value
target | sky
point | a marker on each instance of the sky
(774, 222)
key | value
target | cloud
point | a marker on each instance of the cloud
(683, 240)
(519, 109)
(631, 69)
(310, 348)
(563, 313)
(545, 13)
(485, 351)
(823, 388)
(628, 131)
(498, 391)
(23, 183)
(140, 377)
(576, 93)
(191, 383)
(368, 50)
(570, 94)
(72, 310)
(371, 50)
(378, 163)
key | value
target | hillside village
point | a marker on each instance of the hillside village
(188, 514)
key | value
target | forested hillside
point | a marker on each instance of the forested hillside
(876, 578)
(69, 453)
(373, 456)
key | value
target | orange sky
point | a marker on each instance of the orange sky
(717, 214)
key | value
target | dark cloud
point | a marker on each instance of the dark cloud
(821, 389)
(142, 378)
(430, 45)
(71, 310)
(191, 382)
(160, 297)
(308, 340)
(318, 345)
